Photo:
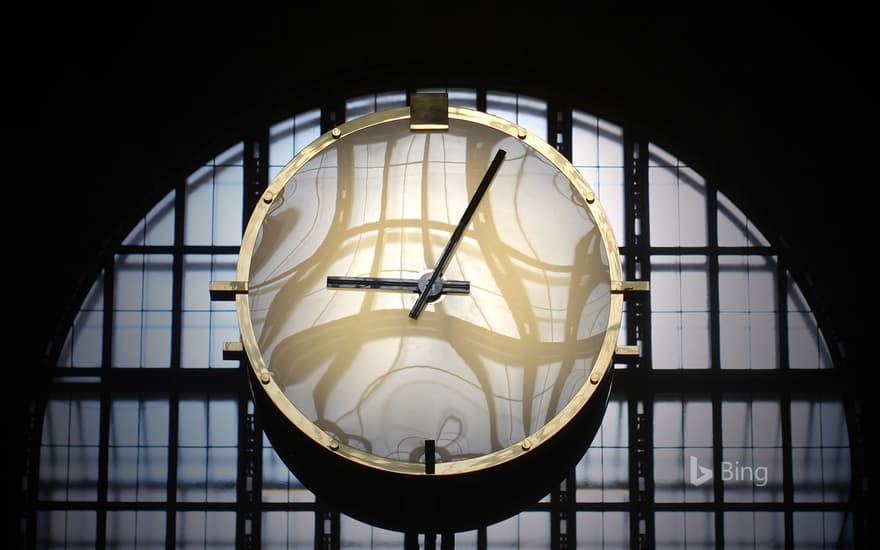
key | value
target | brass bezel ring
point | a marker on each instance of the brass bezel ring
(602, 366)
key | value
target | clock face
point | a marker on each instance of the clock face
(479, 370)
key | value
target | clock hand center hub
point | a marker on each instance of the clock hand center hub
(436, 289)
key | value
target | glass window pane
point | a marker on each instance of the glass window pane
(288, 137)
(608, 186)
(201, 530)
(679, 305)
(820, 455)
(526, 530)
(697, 423)
(156, 339)
(823, 530)
(751, 468)
(597, 153)
(677, 198)
(821, 475)
(68, 473)
(806, 470)
(836, 474)
(124, 422)
(199, 270)
(692, 204)
(528, 112)
(754, 530)
(678, 477)
(679, 283)
(228, 190)
(135, 529)
(83, 346)
(223, 423)
(734, 228)
(157, 227)
(748, 319)
(192, 474)
(202, 337)
(279, 483)
(138, 474)
(142, 281)
(585, 140)
(69, 449)
(62, 529)
(288, 531)
(71, 421)
(807, 348)
(752, 474)
(753, 423)
(682, 431)
(682, 422)
(609, 144)
(668, 423)
(834, 432)
(674, 530)
(207, 466)
(355, 534)
(213, 201)
(221, 474)
(199, 206)
(747, 284)
(607, 530)
(806, 345)
(602, 474)
(820, 422)
(207, 324)
(680, 340)
(142, 311)
(138, 453)
(373, 103)
(806, 423)
(614, 431)
(748, 341)
(193, 430)
(390, 100)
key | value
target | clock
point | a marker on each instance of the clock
(429, 300)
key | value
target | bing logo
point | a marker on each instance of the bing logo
(730, 471)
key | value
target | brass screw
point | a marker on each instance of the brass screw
(268, 197)
(334, 444)
(521, 132)
(335, 132)
(526, 444)
(590, 196)
(264, 376)
(594, 378)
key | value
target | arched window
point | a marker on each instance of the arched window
(148, 433)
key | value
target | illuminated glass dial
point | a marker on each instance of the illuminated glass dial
(517, 309)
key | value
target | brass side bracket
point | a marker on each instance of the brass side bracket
(429, 112)
(619, 287)
(233, 351)
(225, 291)
(626, 354)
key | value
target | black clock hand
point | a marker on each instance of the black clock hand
(388, 283)
(422, 300)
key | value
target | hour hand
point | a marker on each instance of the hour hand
(402, 285)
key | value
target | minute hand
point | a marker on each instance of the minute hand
(422, 300)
